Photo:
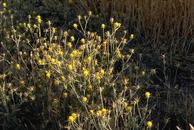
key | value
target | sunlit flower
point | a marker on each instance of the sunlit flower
(103, 26)
(74, 115)
(102, 72)
(90, 87)
(75, 25)
(147, 94)
(129, 108)
(85, 72)
(69, 44)
(72, 38)
(48, 74)
(22, 82)
(83, 40)
(79, 17)
(84, 99)
(17, 66)
(71, 118)
(132, 36)
(89, 13)
(65, 33)
(4, 4)
(39, 19)
(117, 24)
(111, 20)
(91, 111)
(65, 94)
(149, 124)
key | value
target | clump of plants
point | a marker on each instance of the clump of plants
(71, 79)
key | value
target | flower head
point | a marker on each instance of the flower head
(149, 124)
(83, 40)
(17, 66)
(39, 19)
(117, 24)
(4, 4)
(84, 99)
(75, 25)
(48, 74)
(132, 36)
(72, 38)
(103, 26)
(147, 94)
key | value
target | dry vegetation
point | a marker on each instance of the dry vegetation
(96, 64)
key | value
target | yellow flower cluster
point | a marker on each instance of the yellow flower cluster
(102, 112)
(73, 117)
(39, 19)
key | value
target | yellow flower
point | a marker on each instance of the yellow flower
(102, 72)
(118, 53)
(104, 43)
(83, 40)
(22, 82)
(103, 26)
(53, 60)
(147, 94)
(110, 70)
(59, 63)
(70, 67)
(4, 4)
(18, 66)
(65, 33)
(74, 115)
(129, 108)
(149, 124)
(84, 99)
(89, 13)
(90, 87)
(69, 44)
(72, 38)
(99, 113)
(65, 94)
(79, 17)
(39, 19)
(85, 72)
(48, 74)
(111, 20)
(104, 110)
(91, 111)
(117, 24)
(71, 118)
(75, 25)
(132, 36)
(97, 76)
